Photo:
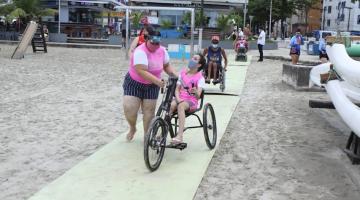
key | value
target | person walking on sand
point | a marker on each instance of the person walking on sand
(261, 43)
(143, 81)
(295, 43)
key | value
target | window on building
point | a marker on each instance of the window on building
(328, 22)
(358, 21)
(329, 9)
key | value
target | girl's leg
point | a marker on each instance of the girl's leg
(173, 107)
(297, 58)
(182, 107)
(131, 107)
(293, 59)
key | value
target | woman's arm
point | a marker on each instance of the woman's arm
(170, 70)
(143, 72)
(225, 58)
(133, 45)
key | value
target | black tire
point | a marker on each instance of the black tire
(209, 126)
(155, 142)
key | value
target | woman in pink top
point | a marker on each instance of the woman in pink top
(143, 81)
(189, 87)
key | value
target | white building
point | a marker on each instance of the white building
(341, 15)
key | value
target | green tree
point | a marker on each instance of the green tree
(187, 18)
(222, 24)
(166, 24)
(26, 9)
(136, 18)
(237, 17)
(259, 9)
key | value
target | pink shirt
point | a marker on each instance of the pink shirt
(155, 63)
(189, 81)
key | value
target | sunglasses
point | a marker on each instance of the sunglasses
(155, 40)
(154, 43)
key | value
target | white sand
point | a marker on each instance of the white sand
(55, 110)
(58, 108)
(276, 147)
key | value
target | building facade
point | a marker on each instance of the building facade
(306, 22)
(342, 15)
(212, 9)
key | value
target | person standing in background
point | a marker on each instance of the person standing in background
(261, 43)
(247, 32)
(295, 43)
(322, 49)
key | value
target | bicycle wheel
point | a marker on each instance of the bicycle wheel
(155, 142)
(209, 126)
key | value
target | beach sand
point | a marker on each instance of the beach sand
(276, 147)
(58, 108)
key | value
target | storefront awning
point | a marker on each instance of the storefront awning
(99, 2)
(163, 1)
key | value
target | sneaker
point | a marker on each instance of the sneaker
(207, 81)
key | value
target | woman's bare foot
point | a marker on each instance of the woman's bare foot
(131, 134)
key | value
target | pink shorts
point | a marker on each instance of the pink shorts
(192, 106)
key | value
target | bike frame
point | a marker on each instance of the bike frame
(166, 104)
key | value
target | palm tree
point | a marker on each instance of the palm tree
(29, 9)
(136, 18)
(166, 24)
(222, 24)
(187, 18)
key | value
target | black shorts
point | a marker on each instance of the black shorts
(294, 51)
(323, 55)
(140, 90)
(123, 33)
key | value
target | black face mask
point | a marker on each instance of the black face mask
(146, 37)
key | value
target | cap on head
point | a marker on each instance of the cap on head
(154, 36)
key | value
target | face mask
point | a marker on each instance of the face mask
(214, 46)
(152, 47)
(192, 64)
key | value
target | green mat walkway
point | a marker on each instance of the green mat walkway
(117, 171)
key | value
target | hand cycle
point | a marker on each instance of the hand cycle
(161, 125)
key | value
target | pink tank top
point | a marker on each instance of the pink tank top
(155, 63)
(189, 81)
